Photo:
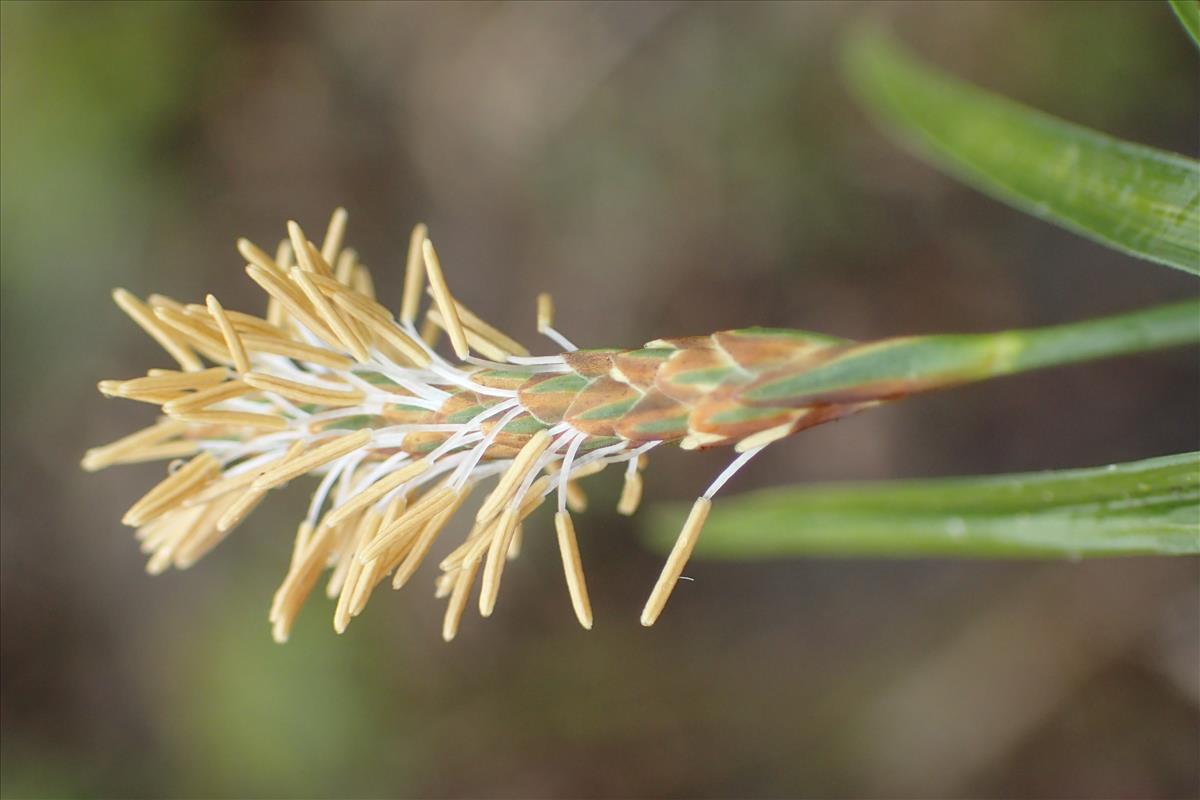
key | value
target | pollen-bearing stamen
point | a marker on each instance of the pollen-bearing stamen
(329, 383)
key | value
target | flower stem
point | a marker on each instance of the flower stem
(909, 364)
(1147, 329)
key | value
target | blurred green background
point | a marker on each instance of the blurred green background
(663, 169)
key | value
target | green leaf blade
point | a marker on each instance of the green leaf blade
(1143, 201)
(1149, 507)
(1188, 12)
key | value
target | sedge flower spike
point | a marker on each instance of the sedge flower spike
(328, 383)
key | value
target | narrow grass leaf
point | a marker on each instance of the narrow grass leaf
(1188, 12)
(1149, 507)
(1137, 199)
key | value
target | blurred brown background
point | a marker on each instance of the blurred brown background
(662, 169)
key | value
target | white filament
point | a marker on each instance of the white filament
(558, 339)
(564, 474)
(731, 470)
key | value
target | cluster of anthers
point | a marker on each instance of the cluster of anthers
(330, 384)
